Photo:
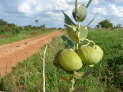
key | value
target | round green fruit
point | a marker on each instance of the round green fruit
(69, 60)
(90, 55)
(56, 60)
(80, 13)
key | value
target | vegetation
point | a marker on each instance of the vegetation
(104, 77)
(11, 32)
(105, 24)
(80, 50)
(82, 65)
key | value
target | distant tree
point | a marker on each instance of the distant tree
(36, 21)
(2, 22)
(28, 27)
(60, 28)
(105, 24)
(43, 27)
(98, 26)
(118, 25)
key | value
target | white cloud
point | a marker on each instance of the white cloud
(118, 1)
(100, 10)
(30, 7)
(55, 16)
(61, 4)
(96, 2)
(117, 10)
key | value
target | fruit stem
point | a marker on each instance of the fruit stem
(89, 42)
(77, 46)
(72, 85)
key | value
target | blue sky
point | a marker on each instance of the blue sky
(48, 12)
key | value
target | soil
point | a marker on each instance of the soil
(13, 53)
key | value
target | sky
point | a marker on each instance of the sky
(48, 12)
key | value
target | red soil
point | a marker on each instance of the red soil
(13, 53)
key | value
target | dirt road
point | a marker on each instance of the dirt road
(11, 54)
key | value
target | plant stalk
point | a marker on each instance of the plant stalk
(77, 44)
(43, 59)
(72, 88)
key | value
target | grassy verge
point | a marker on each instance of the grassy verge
(106, 76)
(9, 38)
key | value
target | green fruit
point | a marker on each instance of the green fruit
(80, 13)
(69, 60)
(56, 61)
(90, 55)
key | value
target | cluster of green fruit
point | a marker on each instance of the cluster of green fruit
(72, 59)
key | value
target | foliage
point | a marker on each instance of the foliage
(14, 29)
(105, 24)
(27, 76)
(11, 32)
(72, 59)
(118, 26)
(2, 22)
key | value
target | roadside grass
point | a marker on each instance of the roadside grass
(10, 37)
(106, 76)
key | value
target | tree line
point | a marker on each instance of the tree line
(6, 27)
(107, 24)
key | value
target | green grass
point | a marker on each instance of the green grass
(9, 37)
(27, 76)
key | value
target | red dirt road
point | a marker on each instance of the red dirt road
(11, 54)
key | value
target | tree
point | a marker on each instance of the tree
(36, 21)
(105, 24)
(118, 25)
(2, 22)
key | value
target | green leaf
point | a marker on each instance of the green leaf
(77, 34)
(83, 33)
(72, 33)
(68, 20)
(71, 27)
(68, 43)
